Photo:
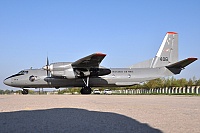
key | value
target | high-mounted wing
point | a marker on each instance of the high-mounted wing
(91, 61)
(89, 66)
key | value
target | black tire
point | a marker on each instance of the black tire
(86, 90)
(25, 91)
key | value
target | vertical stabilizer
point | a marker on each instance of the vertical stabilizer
(168, 51)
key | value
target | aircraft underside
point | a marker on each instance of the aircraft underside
(85, 83)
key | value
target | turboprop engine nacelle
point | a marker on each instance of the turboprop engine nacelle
(68, 73)
(61, 69)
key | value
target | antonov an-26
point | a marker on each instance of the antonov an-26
(87, 72)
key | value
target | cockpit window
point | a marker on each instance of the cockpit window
(19, 74)
(23, 72)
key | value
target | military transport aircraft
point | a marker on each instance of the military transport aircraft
(87, 72)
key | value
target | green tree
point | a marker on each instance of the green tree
(7, 92)
(156, 83)
(197, 82)
(174, 82)
(190, 82)
(1, 92)
(182, 82)
(167, 82)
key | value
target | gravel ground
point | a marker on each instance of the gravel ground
(99, 113)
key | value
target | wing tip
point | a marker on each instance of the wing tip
(193, 58)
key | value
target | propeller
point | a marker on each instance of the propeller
(48, 74)
(47, 67)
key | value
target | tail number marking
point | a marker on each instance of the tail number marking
(163, 58)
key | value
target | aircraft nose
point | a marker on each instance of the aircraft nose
(7, 81)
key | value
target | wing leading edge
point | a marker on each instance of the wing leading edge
(91, 61)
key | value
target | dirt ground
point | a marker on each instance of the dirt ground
(99, 113)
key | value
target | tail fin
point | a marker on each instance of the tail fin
(167, 54)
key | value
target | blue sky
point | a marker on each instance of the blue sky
(128, 31)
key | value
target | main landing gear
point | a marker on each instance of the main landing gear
(87, 89)
(25, 91)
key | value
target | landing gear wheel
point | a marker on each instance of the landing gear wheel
(25, 91)
(86, 90)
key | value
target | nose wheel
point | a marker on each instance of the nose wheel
(25, 91)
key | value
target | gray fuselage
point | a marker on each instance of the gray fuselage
(36, 78)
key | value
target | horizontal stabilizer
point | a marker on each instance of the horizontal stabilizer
(178, 66)
(183, 63)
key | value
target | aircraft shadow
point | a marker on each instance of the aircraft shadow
(70, 120)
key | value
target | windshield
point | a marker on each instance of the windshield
(23, 72)
(19, 73)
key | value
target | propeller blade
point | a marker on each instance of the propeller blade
(47, 61)
(47, 66)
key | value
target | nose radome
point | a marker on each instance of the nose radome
(7, 81)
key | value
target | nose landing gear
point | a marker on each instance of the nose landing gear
(25, 91)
